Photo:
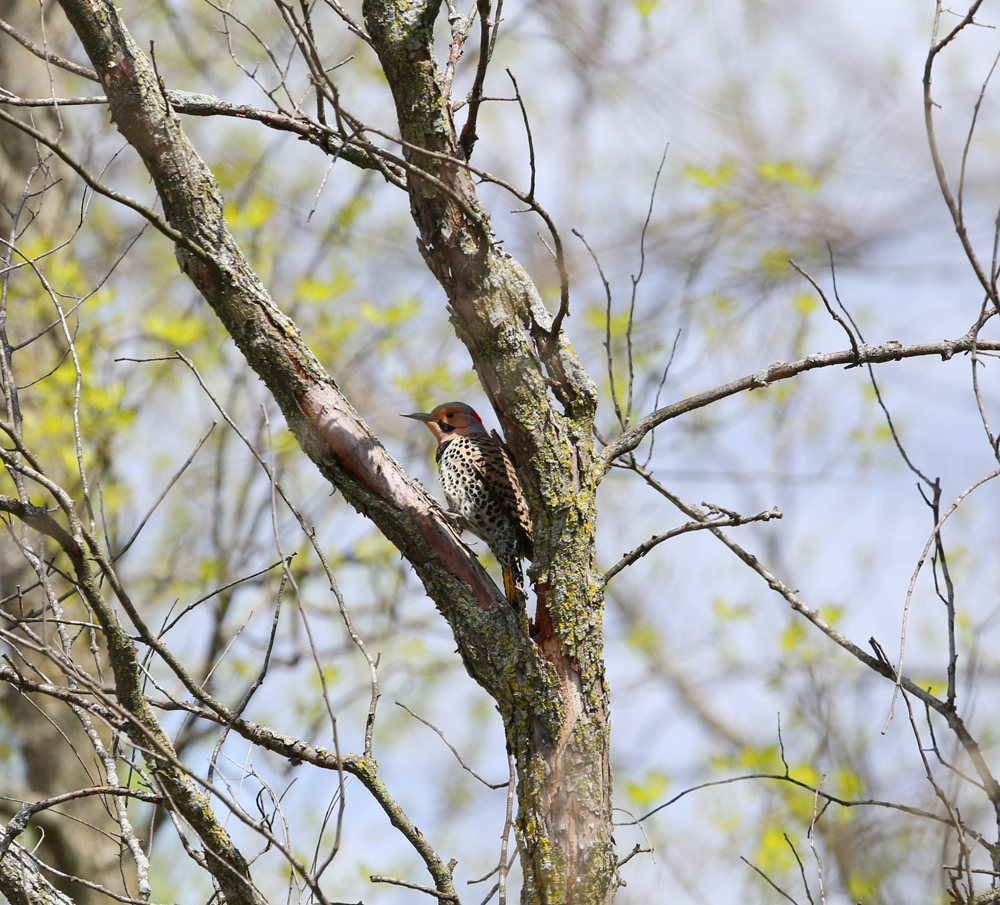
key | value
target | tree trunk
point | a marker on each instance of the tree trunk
(557, 722)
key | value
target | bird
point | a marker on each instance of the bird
(481, 486)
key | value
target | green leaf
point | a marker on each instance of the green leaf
(786, 172)
(721, 176)
(793, 635)
(312, 290)
(649, 790)
(774, 262)
(175, 332)
(804, 302)
(643, 636)
(726, 611)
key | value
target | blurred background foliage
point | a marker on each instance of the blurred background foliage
(793, 131)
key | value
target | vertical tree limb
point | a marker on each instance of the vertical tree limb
(558, 725)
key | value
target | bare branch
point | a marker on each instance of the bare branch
(197, 104)
(798, 860)
(23, 883)
(468, 138)
(779, 777)
(782, 370)
(637, 850)
(607, 329)
(42, 54)
(829, 307)
(460, 26)
(714, 521)
(19, 822)
(451, 747)
(527, 129)
(448, 897)
(768, 880)
(942, 178)
(507, 823)
(11, 100)
(102, 189)
(993, 441)
(879, 664)
(311, 534)
(985, 775)
(38, 518)
(636, 279)
(163, 495)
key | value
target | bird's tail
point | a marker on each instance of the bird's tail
(511, 579)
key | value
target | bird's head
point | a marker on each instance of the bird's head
(450, 420)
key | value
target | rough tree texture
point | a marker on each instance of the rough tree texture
(23, 884)
(560, 733)
(550, 692)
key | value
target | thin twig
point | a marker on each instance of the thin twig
(311, 535)
(637, 850)
(635, 282)
(878, 664)
(163, 495)
(768, 880)
(972, 129)
(230, 584)
(802, 870)
(527, 129)
(607, 329)
(101, 189)
(782, 370)
(983, 316)
(507, 823)
(829, 307)
(892, 430)
(913, 582)
(942, 178)
(644, 548)
(42, 54)
(778, 777)
(659, 390)
(467, 140)
(451, 747)
(447, 896)
(811, 835)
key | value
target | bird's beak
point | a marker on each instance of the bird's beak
(419, 416)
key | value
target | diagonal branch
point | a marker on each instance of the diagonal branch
(732, 521)
(877, 664)
(196, 104)
(38, 517)
(783, 370)
(100, 187)
(42, 54)
(328, 429)
(23, 883)
(226, 863)
(954, 207)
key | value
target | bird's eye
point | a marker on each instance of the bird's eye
(450, 415)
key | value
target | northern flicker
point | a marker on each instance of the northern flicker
(481, 487)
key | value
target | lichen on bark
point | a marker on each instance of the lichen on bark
(557, 719)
